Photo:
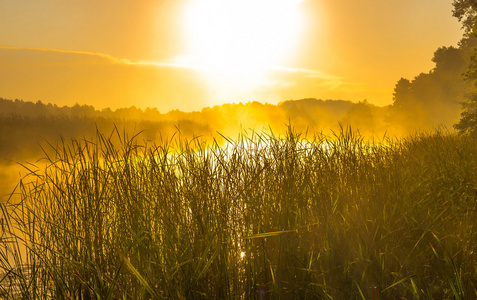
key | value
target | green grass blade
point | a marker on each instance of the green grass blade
(398, 282)
(139, 277)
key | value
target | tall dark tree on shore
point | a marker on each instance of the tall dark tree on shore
(466, 12)
(432, 99)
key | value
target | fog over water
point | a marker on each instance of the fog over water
(11, 175)
(428, 101)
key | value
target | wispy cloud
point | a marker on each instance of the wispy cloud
(99, 55)
(323, 79)
(308, 73)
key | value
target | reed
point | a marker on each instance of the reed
(259, 217)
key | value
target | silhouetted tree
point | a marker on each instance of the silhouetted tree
(402, 95)
(406, 110)
(466, 12)
(434, 98)
(468, 121)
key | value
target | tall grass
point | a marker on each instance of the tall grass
(260, 217)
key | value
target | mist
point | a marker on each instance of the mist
(426, 102)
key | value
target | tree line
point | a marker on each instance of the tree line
(444, 96)
(24, 125)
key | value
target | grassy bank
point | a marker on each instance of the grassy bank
(261, 217)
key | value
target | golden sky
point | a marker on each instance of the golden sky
(188, 54)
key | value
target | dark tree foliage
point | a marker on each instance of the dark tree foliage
(402, 95)
(466, 12)
(432, 99)
(468, 122)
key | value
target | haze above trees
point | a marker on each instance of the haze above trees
(429, 100)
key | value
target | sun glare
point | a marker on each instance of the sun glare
(239, 40)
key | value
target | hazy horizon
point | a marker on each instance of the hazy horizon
(191, 54)
(238, 149)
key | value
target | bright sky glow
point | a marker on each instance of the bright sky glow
(237, 42)
(190, 54)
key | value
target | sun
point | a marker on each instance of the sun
(239, 40)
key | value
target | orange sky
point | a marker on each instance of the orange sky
(187, 54)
